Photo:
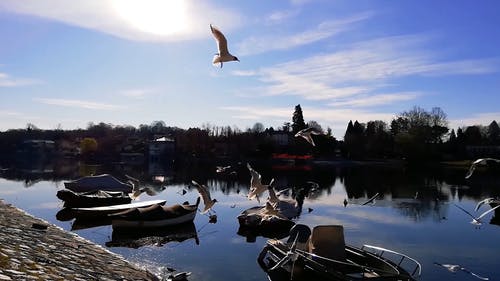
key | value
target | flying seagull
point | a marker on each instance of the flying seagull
(256, 186)
(205, 195)
(223, 55)
(480, 161)
(371, 200)
(486, 201)
(306, 134)
(477, 220)
(455, 267)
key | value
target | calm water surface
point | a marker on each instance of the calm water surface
(415, 215)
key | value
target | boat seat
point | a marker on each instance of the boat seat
(328, 241)
(302, 233)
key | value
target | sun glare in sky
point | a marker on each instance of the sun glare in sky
(157, 17)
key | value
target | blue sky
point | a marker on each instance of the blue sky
(125, 62)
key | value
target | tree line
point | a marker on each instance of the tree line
(414, 135)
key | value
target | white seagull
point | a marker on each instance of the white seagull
(256, 186)
(205, 195)
(223, 55)
(306, 134)
(455, 267)
(486, 201)
(480, 161)
(371, 200)
(477, 220)
(288, 208)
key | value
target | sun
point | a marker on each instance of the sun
(158, 17)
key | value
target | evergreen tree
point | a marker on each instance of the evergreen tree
(494, 133)
(298, 120)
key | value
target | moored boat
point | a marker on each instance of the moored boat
(323, 255)
(103, 211)
(93, 198)
(100, 182)
(155, 216)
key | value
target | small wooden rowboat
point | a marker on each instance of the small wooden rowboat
(155, 216)
(93, 198)
(107, 210)
(100, 182)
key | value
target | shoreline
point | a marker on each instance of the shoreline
(33, 249)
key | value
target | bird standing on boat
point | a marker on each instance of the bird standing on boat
(307, 134)
(205, 196)
(480, 161)
(256, 186)
(223, 55)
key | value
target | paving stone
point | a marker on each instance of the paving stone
(52, 253)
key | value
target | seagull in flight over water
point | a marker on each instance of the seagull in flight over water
(371, 200)
(455, 267)
(223, 55)
(306, 134)
(256, 186)
(477, 220)
(480, 161)
(205, 195)
(486, 201)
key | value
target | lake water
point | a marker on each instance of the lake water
(415, 215)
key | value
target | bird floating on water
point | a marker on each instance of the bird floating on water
(455, 267)
(307, 134)
(223, 55)
(477, 220)
(205, 195)
(480, 161)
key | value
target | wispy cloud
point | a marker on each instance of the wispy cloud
(475, 119)
(244, 72)
(122, 19)
(137, 93)
(263, 43)
(364, 68)
(79, 104)
(280, 16)
(375, 100)
(8, 81)
(9, 113)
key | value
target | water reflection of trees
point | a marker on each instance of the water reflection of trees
(416, 192)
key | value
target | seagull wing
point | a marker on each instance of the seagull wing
(487, 212)
(484, 201)
(205, 195)
(273, 198)
(221, 41)
(256, 179)
(371, 199)
(471, 170)
(474, 274)
(467, 212)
